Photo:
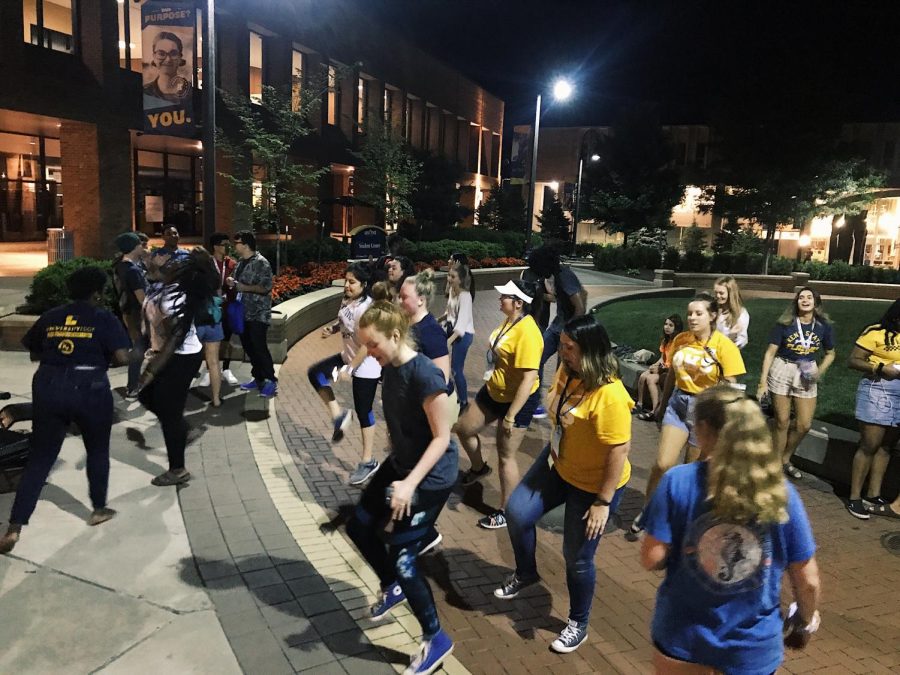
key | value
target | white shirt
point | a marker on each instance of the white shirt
(160, 305)
(459, 313)
(738, 332)
(348, 318)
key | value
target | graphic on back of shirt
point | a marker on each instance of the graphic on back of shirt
(727, 558)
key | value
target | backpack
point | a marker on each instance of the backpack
(211, 314)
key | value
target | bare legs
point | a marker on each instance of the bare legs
(211, 356)
(872, 458)
(671, 441)
(786, 437)
(649, 382)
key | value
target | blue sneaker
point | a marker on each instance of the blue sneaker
(269, 389)
(341, 423)
(571, 637)
(539, 413)
(390, 597)
(431, 655)
(250, 386)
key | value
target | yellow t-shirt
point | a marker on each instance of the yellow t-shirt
(695, 368)
(519, 349)
(883, 349)
(592, 422)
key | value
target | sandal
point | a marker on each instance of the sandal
(646, 416)
(883, 510)
(171, 478)
(791, 471)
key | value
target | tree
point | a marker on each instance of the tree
(389, 177)
(504, 209)
(555, 226)
(273, 187)
(635, 183)
(435, 201)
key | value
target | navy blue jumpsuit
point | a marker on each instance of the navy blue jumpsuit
(75, 343)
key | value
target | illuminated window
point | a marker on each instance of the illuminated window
(296, 78)
(256, 67)
(48, 24)
(388, 108)
(333, 96)
(362, 105)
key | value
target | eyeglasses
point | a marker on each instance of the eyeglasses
(174, 54)
(510, 297)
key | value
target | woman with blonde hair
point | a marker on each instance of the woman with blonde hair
(733, 319)
(790, 373)
(725, 530)
(585, 467)
(410, 490)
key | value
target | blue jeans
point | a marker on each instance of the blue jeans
(551, 345)
(393, 556)
(458, 366)
(542, 490)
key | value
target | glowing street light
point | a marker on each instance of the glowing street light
(594, 158)
(562, 90)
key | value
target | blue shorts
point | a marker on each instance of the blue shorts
(680, 414)
(878, 402)
(213, 333)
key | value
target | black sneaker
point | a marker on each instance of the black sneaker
(513, 586)
(340, 426)
(872, 502)
(472, 475)
(571, 637)
(857, 509)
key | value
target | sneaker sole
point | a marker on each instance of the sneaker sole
(539, 417)
(434, 542)
(518, 592)
(861, 516)
(360, 481)
(437, 664)
(490, 527)
(559, 649)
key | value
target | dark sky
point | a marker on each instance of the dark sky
(691, 57)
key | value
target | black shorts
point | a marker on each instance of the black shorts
(499, 410)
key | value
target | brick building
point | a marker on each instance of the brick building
(72, 150)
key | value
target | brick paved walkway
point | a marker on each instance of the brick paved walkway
(861, 624)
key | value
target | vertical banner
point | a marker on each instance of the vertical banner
(167, 33)
(520, 154)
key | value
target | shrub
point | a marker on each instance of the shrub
(296, 253)
(427, 251)
(779, 265)
(48, 287)
(585, 249)
(693, 261)
(672, 259)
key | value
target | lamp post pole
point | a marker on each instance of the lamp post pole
(209, 120)
(532, 178)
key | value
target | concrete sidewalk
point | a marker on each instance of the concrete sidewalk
(116, 598)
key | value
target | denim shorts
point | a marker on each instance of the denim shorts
(499, 410)
(680, 414)
(878, 402)
(213, 333)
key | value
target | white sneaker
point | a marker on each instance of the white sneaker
(230, 378)
(203, 380)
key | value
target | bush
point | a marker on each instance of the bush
(297, 253)
(585, 249)
(693, 261)
(48, 287)
(671, 259)
(427, 251)
(610, 258)
(779, 265)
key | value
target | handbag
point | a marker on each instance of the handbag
(234, 312)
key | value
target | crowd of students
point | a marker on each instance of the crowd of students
(724, 526)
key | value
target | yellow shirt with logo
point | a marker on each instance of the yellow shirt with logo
(883, 348)
(593, 422)
(519, 349)
(694, 361)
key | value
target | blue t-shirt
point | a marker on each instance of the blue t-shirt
(405, 389)
(77, 334)
(431, 340)
(790, 341)
(719, 604)
(566, 285)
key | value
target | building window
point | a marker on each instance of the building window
(407, 120)
(333, 97)
(388, 108)
(256, 67)
(680, 154)
(49, 24)
(700, 157)
(30, 186)
(297, 71)
(474, 142)
(176, 180)
(362, 105)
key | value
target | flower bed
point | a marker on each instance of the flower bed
(293, 281)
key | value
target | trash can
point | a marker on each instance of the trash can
(60, 245)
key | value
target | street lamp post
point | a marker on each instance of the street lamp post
(561, 91)
(595, 157)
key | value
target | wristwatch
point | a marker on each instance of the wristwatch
(599, 501)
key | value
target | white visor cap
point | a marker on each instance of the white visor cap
(510, 288)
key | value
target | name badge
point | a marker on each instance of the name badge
(556, 436)
(488, 374)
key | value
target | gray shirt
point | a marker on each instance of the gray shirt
(256, 271)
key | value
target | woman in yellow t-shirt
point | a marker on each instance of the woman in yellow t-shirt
(877, 355)
(509, 395)
(585, 467)
(701, 358)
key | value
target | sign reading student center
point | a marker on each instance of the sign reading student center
(367, 241)
(168, 33)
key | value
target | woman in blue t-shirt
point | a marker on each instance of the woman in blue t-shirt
(725, 530)
(790, 371)
(414, 482)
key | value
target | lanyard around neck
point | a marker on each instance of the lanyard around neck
(563, 399)
(503, 331)
(807, 342)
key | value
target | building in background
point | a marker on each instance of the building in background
(72, 148)
(877, 231)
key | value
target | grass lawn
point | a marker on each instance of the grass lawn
(638, 323)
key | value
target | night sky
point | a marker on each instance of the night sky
(692, 58)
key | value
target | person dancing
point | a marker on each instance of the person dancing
(585, 467)
(790, 372)
(353, 363)
(410, 490)
(725, 530)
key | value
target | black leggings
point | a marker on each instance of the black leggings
(166, 396)
(364, 388)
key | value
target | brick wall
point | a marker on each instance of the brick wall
(81, 176)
